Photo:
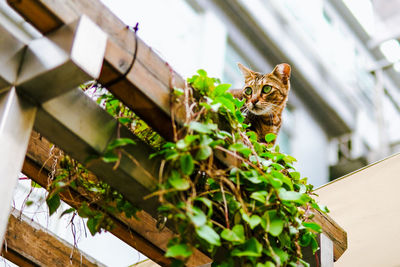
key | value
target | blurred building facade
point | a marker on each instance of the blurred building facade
(343, 111)
(344, 107)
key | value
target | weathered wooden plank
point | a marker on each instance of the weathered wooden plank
(141, 234)
(15, 258)
(332, 230)
(146, 88)
(16, 122)
(30, 244)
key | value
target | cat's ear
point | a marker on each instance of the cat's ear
(247, 73)
(283, 72)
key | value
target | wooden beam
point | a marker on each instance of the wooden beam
(332, 230)
(16, 258)
(149, 70)
(141, 234)
(29, 244)
(146, 89)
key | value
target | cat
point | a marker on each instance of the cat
(265, 98)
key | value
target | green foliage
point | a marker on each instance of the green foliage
(251, 214)
(254, 213)
(73, 176)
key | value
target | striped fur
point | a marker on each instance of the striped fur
(264, 110)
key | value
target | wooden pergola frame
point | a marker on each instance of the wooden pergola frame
(145, 89)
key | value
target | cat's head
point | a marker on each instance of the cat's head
(266, 93)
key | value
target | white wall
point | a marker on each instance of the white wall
(309, 145)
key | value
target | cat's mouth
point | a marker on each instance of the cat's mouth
(258, 110)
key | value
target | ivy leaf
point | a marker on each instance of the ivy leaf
(198, 217)
(293, 196)
(305, 239)
(208, 234)
(181, 144)
(67, 211)
(119, 142)
(226, 102)
(35, 185)
(202, 127)
(178, 182)
(314, 244)
(239, 103)
(178, 251)
(313, 226)
(275, 225)
(283, 256)
(187, 165)
(130, 210)
(53, 202)
(260, 196)
(236, 235)
(110, 157)
(93, 224)
(252, 248)
(321, 208)
(253, 177)
(203, 153)
(275, 182)
(295, 175)
(220, 89)
(253, 221)
(270, 137)
(84, 211)
(206, 202)
(289, 159)
(241, 148)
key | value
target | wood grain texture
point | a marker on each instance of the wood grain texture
(141, 234)
(332, 230)
(31, 244)
(146, 89)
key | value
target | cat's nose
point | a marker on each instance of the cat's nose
(254, 101)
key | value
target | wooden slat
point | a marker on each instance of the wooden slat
(146, 89)
(141, 234)
(334, 232)
(29, 244)
(15, 258)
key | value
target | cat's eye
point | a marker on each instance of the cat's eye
(248, 91)
(266, 89)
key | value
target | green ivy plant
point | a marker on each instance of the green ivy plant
(255, 210)
(104, 199)
(71, 174)
(253, 213)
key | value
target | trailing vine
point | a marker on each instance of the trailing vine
(254, 213)
(70, 174)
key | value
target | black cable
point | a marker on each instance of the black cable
(123, 76)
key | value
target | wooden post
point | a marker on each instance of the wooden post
(16, 122)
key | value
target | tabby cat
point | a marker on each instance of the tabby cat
(266, 96)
